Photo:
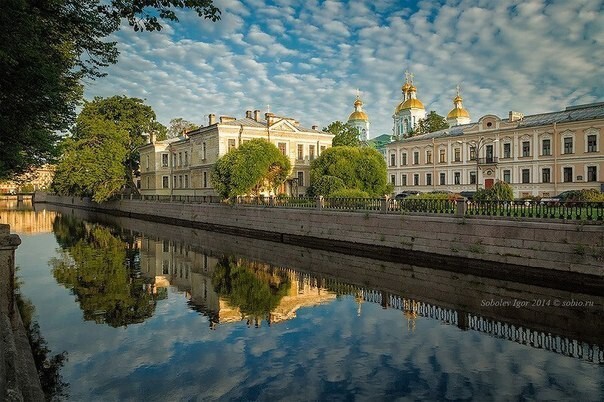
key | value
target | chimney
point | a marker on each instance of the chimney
(257, 115)
(315, 128)
(152, 137)
(211, 119)
(515, 116)
(248, 114)
(269, 118)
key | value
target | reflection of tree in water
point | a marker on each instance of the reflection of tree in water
(48, 367)
(101, 269)
(255, 289)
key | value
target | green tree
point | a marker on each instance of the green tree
(500, 191)
(46, 49)
(344, 134)
(433, 122)
(178, 126)
(255, 166)
(360, 168)
(93, 165)
(326, 185)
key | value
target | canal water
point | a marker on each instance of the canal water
(134, 310)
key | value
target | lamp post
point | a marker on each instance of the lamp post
(478, 145)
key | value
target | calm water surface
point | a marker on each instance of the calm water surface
(157, 312)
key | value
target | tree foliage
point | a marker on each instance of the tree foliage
(46, 49)
(255, 166)
(360, 168)
(179, 126)
(344, 134)
(500, 191)
(431, 123)
(326, 185)
(101, 156)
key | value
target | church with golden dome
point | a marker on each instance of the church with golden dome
(458, 115)
(359, 120)
(409, 111)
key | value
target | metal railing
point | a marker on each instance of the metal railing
(581, 211)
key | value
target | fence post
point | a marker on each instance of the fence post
(461, 207)
(271, 200)
(320, 202)
(384, 204)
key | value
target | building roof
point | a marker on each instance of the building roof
(571, 113)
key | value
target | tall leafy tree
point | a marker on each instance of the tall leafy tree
(178, 126)
(344, 134)
(433, 122)
(360, 168)
(46, 49)
(255, 166)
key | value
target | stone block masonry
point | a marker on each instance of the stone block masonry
(571, 251)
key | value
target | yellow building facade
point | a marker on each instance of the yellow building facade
(183, 166)
(538, 155)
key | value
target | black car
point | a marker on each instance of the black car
(468, 194)
(406, 193)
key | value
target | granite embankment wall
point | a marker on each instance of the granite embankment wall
(18, 376)
(572, 251)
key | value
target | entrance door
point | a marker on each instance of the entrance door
(488, 183)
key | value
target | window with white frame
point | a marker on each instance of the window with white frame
(546, 147)
(592, 143)
(526, 148)
(592, 173)
(472, 177)
(546, 175)
(526, 176)
(392, 159)
(428, 156)
(428, 179)
(443, 179)
(403, 180)
(457, 177)
(567, 174)
(568, 145)
(165, 182)
(416, 179)
(301, 178)
(393, 179)
(416, 158)
(403, 158)
(507, 150)
(507, 176)
(164, 160)
(205, 179)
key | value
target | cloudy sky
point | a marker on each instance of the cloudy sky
(306, 59)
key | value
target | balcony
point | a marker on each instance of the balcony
(489, 160)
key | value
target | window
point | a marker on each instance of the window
(301, 178)
(416, 179)
(322, 148)
(546, 175)
(203, 151)
(403, 158)
(147, 162)
(442, 156)
(472, 153)
(392, 160)
(205, 179)
(592, 143)
(415, 158)
(174, 159)
(311, 152)
(428, 156)
(526, 148)
(164, 160)
(186, 158)
(507, 176)
(568, 174)
(568, 145)
(507, 150)
(186, 181)
(443, 179)
(592, 173)
(457, 178)
(180, 159)
(428, 179)
(174, 182)
(300, 152)
(165, 181)
(231, 145)
(404, 180)
(546, 148)
(180, 181)
(472, 177)
(393, 179)
(526, 175)
(281, 147)
(457, 155)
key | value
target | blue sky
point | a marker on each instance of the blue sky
(306, 59)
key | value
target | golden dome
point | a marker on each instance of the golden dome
(412, 88)
(411, 103)
(405, 87)
(358, 102)
(456, 113)
(358, 116)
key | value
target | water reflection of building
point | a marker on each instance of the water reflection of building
(190, 270)
(23, 219)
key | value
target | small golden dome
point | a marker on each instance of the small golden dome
(412, 88)
(358, 116)
(405, 87)
(358, 102)
(411, 103)
(457, 113)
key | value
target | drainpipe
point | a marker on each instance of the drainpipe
(555, 150)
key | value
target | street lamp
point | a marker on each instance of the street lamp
(478, 145)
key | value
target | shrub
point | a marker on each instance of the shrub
(326, 185)
(501, 191)
(349, 193)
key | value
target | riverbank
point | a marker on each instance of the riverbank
(561, 255)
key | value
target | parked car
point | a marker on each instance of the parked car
(406, 193)
(563, 196)
(468, 194)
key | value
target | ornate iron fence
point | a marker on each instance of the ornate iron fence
(583, 211)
